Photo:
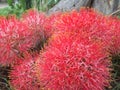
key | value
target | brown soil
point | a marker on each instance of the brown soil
(4, 78)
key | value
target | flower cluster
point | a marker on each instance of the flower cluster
(13, 39)
(100, 27)
(19, 36)
(37, 23)
(72, 62)
(23, 75)
(114, 39)
(76, 56)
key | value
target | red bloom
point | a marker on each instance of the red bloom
(13, 39)
(72, 62)
(52, 19)
(23, 75)
(19, 36)
(103, 28)
(114, 42)
(74, 20)
(38, 24)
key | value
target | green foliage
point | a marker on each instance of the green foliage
(116, 72)
(16, 9)
(4, 11)
(22, 5)
(44, 5)
(13, 8)
(10, 2)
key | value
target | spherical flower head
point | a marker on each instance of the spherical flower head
(72, 62)
(22, 75)
(87, 20)
(37, 23)
(114, 43)
(101, 27)
(14, 39)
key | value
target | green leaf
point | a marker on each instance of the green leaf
(10, 2)
(23, 4)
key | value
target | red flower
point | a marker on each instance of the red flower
(19, 36)
(13, 39)
(72, 62)
(23, 75)
(114, 42)
(52, 19)
(103, 28)
(38, 24)
(74, 20)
